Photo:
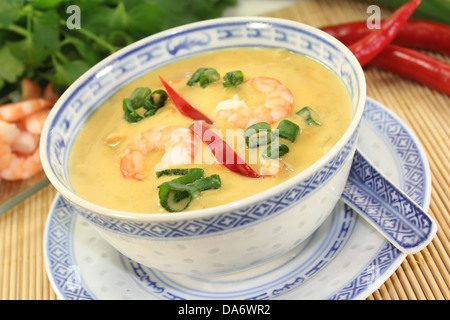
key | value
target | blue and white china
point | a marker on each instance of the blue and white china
(387, 208)
(230, 237)
(346, 258)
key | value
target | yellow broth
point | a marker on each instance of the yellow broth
(95, 158)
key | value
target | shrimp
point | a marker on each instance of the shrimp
(8, 134)
(20, 168)
(35, 122)
(12, 165)
(30, 89)
(178, 143)
(25, 143)
(13, 112)
(278, 103)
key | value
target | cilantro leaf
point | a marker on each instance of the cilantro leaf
(10, 11)
(11, 68)
(46, 29)
(35, 42)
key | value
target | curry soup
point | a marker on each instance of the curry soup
(95, 163)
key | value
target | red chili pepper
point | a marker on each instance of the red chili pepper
(421, 34)
(183, 106)
(219, 148)
(222, 151)
(414, 65)
(405, 62)
(371, 45)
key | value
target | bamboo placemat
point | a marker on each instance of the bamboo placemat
(422, 276)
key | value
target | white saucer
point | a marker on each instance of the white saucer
(344, 259)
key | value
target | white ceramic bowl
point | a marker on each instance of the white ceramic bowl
(230, 237)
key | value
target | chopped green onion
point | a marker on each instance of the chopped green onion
(202, 184)
(204, 76)
(310, 116)
(207, 183)
(189, 185)
(152, 105)
(138, 96)
(168, 191)
(143, 97)
(258, 134)
(129, 112)
(178, 172)
(161, 98)
(275, 151)
(233, 78)
(288, 130)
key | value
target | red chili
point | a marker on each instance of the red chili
(414, 65)
(372, 44)
(421, 34)
(222, 151)
(183, 106)
(406, 62)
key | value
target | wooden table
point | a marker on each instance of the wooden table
(421, 276)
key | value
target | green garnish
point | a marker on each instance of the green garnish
(50, 40)
(178, 172)
(154, 101)
(204, 76)
(310, 116)
(129, 112)
(288, 130)
(275, 151)
(143, 98)
(188, 186)
(233, 78)
(258, 134)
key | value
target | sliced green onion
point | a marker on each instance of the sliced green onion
(143, 97)
(138, 96)
(288, 130)
(202, 184)
(161, 98)
(188, 186)
(130, 113)
(233, 78)
(152, 105)
(204, 76)
(310, 116)
(207, 183)
(178, 172)
(168, 192)
(258, 134)
(275, 151)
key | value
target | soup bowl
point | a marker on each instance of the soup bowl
(226, 238)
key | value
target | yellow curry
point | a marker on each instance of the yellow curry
(292, 108)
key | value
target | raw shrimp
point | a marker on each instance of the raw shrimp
(178, 143)
(278, 103)
(13, 112)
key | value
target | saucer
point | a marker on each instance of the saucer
(344, 259)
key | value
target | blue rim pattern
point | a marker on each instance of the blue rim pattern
(59, 240)
(131, 63)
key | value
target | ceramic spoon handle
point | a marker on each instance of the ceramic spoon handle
(405, 224)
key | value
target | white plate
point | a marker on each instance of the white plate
(344, 259)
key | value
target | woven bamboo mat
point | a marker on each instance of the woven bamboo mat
(422, 276)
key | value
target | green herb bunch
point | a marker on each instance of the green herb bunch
(36, 42)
